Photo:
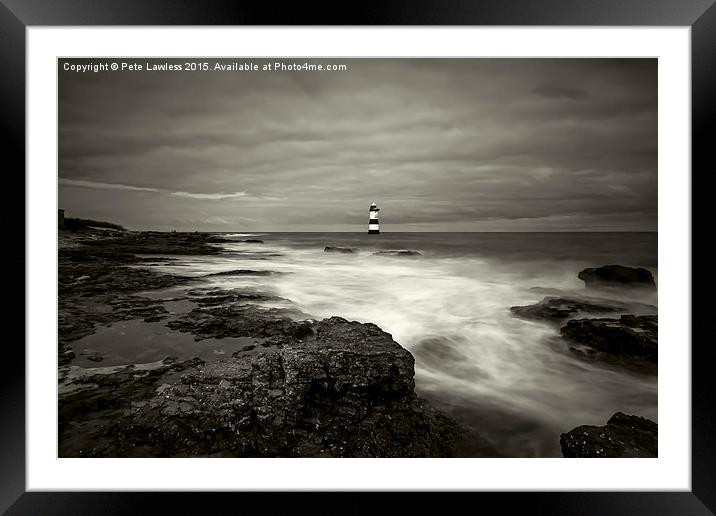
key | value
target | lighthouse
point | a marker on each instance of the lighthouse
(373, 227)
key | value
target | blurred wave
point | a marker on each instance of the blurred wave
(512, 380)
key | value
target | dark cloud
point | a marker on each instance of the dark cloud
(465, 144)
(555, 90)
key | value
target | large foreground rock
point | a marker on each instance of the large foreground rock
(331, 388)
(617, 276)
(623, 436)
(630, 340)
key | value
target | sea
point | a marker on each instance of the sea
(511, 381)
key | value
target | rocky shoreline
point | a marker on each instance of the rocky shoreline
(330, 388)
(289, 385)
(614, 332)
(602, 328)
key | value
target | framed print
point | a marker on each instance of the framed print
(426, 252)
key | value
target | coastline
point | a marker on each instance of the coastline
(314, 388)
(229, 371)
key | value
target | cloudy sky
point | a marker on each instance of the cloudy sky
(440, 145)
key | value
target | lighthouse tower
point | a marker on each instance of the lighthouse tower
(373, 226)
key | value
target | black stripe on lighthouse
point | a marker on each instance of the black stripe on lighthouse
(373, 225)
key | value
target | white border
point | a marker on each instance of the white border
(671, 471)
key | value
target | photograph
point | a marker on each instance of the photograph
(357, 257)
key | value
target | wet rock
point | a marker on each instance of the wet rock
(623, 436)
(155, 242)
(237, 320)
(86, 253)
(74, 322)
(629, 339)
(218, 239)
(79, 316)
(241, 272)
(101, 275)
(398, 252)
(217, 296)
(99, 272)
(558, 309)
(344, 389)
(344, 250)
(129, 307)
(157, 260)
(617, 276)
(102, 394)
(65, 356)
(252, 255)
(246, 348)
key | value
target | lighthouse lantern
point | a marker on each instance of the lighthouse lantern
(373, 226)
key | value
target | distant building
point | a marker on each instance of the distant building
(373, 225)
(61, 219)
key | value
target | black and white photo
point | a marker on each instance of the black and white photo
(357, 257)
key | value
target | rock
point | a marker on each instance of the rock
(623, 436)
(83, 272)
(155, 242)
(398, 252)
(344, 250)
(78, 316)
(617, 276)
(558, 309)
(73, 224)
(238, 320)
(103, 393)
(343, 389)
(65, 356)
(218, 239)
(249, 347)
(97, 279)
(217, 296)
(241, 272)
(629, 338)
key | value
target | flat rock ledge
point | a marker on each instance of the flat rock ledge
(556, 309)
(623, 436)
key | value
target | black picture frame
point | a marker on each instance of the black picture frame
(17, 15)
